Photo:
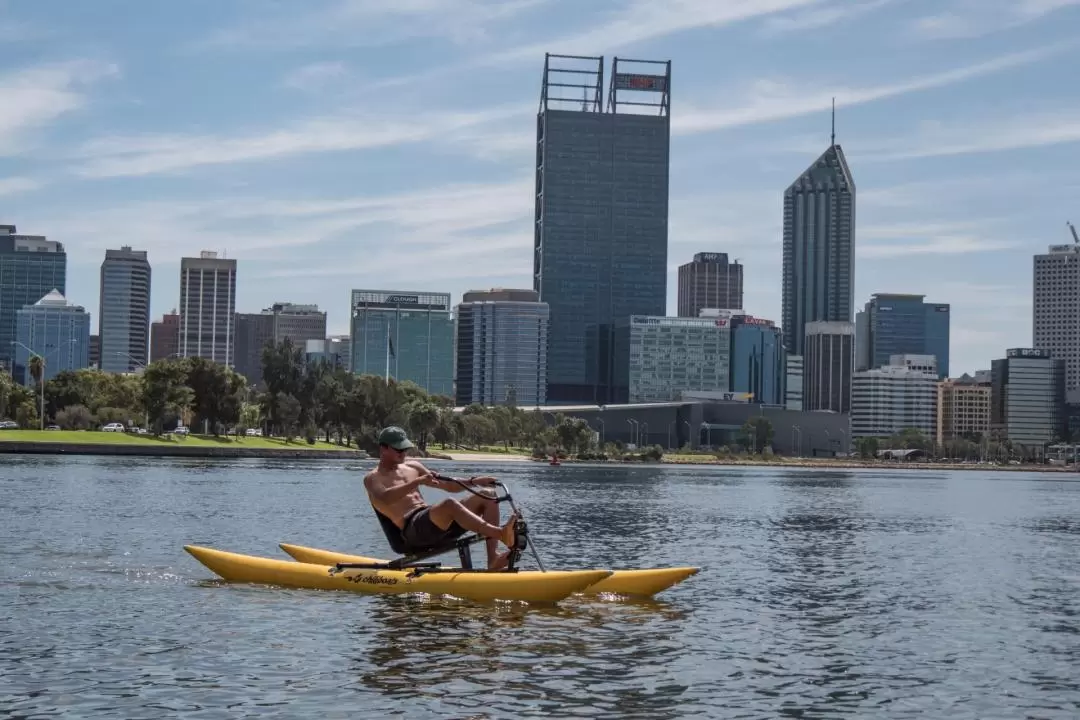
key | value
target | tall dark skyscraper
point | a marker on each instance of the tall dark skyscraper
(600, 250)
(819, 247)
(124, 310)
(710, 281)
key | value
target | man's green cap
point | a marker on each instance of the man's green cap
(395, 437)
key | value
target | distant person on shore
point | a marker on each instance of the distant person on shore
(393, 488)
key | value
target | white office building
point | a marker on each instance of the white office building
(208, 307)
(1056, 308)
(895, 397)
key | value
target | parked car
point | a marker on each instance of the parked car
(113, 427)
(180, 430)
(8, 425)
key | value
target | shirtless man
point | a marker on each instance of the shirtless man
(393, 488)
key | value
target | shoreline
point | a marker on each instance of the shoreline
(804, 463)
(61, 447)
(31, 447)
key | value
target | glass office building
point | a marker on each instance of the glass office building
(501, 348)
(405, 334)
(1027, 397)
(30, 267)
(899, 324)
(601, 230)
(57, 331)
(758, 360)
(124, 310)
(658, 358)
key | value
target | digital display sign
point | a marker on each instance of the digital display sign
(1027, 353)
(402, 299)
(635, 81)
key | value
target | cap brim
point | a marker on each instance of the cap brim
(403, 445)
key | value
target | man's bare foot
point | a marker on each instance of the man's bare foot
(501, 560)
(509, 531)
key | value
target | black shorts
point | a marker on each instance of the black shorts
(420, 532)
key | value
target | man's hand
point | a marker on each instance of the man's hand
(483, 480)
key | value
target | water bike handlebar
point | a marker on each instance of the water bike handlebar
(505, 497)
(471, 488)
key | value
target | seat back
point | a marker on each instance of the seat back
(392, 532)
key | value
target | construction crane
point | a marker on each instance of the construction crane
(1076, 239)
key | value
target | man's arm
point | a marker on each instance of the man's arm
(445, 485)
(393, 494)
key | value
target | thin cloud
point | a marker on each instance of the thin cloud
(1034, 131)
(249, 224)
(10, 186)
(152, 154)
(369, 23)
(938, 245)
(34, 97)
(314, 76)
(770, 101)
(647, 20)
(639, 22)
(820, 17)
(975, 18)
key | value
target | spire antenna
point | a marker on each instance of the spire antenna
(833, 140)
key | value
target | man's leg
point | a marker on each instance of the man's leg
(452, 510)
(488, 509)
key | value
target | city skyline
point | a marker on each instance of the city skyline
(326, 194)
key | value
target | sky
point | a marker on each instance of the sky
(329, 145)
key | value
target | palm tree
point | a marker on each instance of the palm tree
(37, 371)
(37, 368)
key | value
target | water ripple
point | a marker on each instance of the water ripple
(823, 595)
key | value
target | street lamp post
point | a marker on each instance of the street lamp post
(42, 382)
(633, 430)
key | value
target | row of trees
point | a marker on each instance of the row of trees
(971, 448)
(318, 400)
(300, 398)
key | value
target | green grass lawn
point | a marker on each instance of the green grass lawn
(113, 438)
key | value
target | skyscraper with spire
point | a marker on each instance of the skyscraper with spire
(819, 246)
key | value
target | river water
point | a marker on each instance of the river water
(823, 594)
